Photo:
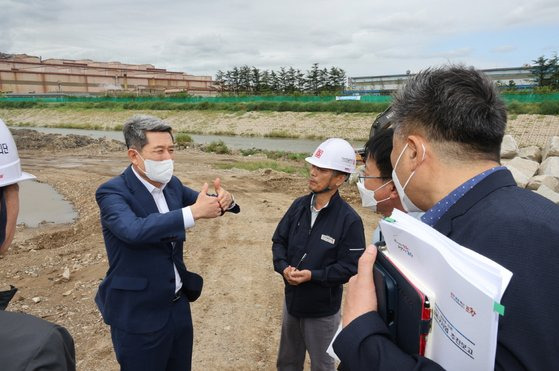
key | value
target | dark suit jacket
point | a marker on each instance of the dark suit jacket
(136, 294)
(28, 343)
(518, 229)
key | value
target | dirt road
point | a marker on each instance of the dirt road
(237, 318)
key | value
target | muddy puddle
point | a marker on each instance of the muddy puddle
(41, 204)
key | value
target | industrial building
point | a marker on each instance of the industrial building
(24, 74)
(521, 77)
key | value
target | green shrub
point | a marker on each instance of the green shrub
(515, 107)
(202, 105)
(22, 104)
(549, 108)
(182, 139)
(218, 147)
(297, 156)
(250, 151)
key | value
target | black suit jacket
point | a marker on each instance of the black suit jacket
(518, 229)
(29, 343)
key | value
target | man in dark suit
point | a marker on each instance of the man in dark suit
(449, 124)
(144, 214)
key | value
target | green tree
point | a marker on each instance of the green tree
(337, 79)
(274, 83)
(282, 80)
(255, 80)
(232, 80)
(313, 79)
(265, 81)
(539, 70)
(553, 64)
(290, 81)
(244, 79)
(546, 71)
(220, 81)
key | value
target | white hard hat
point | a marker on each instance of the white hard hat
(10, 167)
(335, 154)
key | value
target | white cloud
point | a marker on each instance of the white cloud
(360, 36)
(504, 49)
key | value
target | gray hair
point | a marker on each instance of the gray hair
(135, 128)
(457, 107)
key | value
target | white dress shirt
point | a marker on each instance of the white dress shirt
(162, 207)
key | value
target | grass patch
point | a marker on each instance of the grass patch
(182, 139)
(266, 164)
(226, 133)
(313, 137)
(218, 147)
(280, 134)
(71, 125)
(274, 155)
(546, 107)
(516, 107)
(549, 108)
(24, 125)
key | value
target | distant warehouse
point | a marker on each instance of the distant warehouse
(517, 77)
(24, 74)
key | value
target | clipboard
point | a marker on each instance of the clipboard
(402, 306)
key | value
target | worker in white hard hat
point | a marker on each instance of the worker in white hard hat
(315, 248)
(26, 342)
(10, 175)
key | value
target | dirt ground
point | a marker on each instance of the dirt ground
(237, 318)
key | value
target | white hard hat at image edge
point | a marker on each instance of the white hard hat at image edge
(10, 166)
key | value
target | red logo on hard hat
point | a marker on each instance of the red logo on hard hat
(318, 153)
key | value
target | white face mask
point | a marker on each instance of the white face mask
(408, 205)
(158, 171)
(368, 199)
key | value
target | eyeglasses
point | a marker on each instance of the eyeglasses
(361, 176)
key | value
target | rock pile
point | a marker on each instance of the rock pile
(34, 140)
(532, 167)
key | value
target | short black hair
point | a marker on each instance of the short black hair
(455, 105)
(378, 148)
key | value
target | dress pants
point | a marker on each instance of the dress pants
(299, 335)
(168, 349)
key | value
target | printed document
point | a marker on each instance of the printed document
(464, 287)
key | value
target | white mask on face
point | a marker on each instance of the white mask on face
(408, 205)
(158, 171)
(368, 199)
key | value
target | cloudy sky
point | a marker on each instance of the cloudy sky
(365, 37)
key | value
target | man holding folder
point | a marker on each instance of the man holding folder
(449, 125)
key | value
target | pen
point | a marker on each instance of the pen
(300, 261)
